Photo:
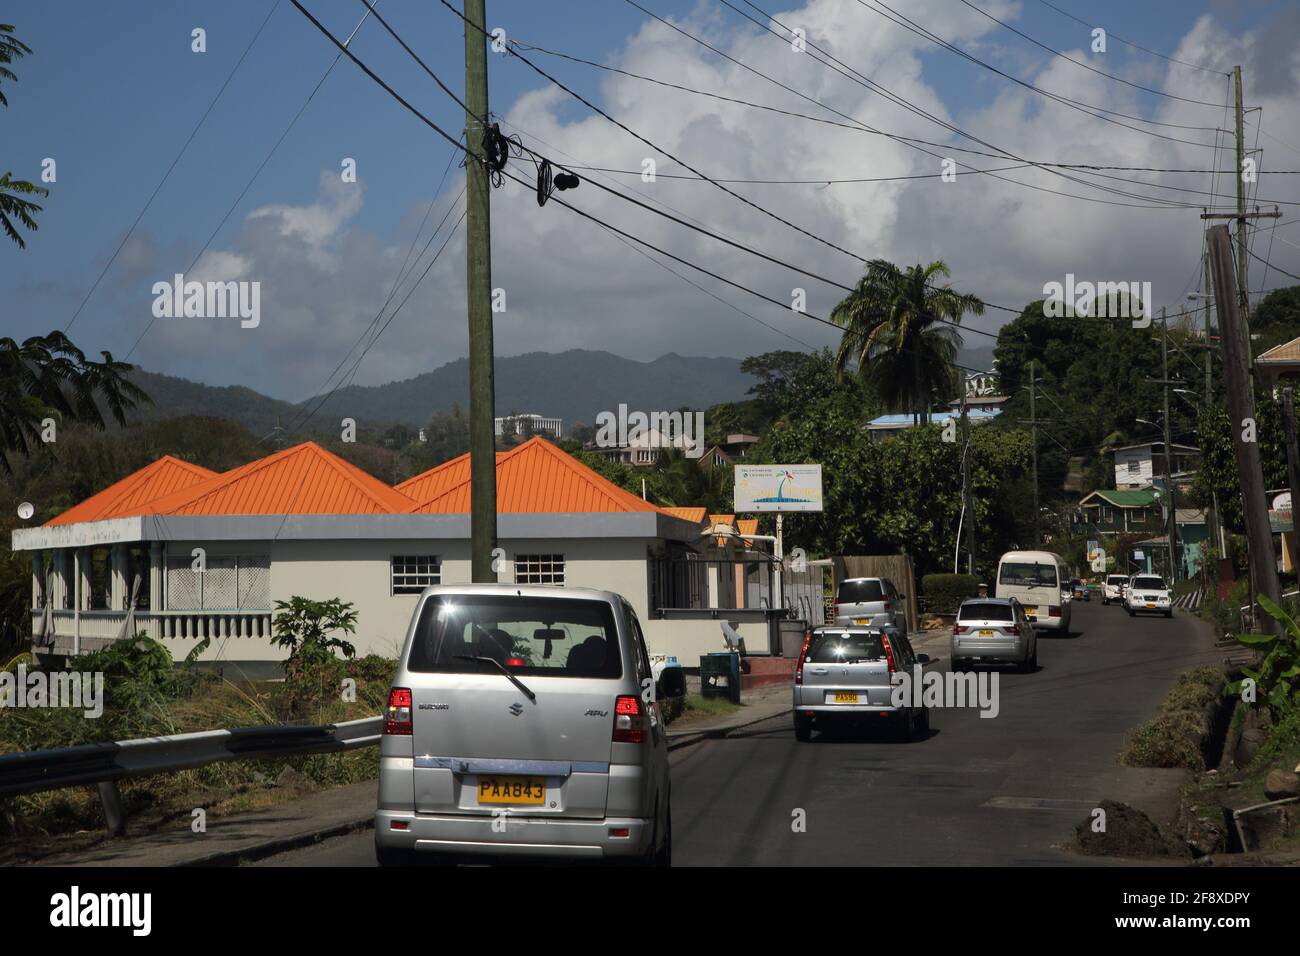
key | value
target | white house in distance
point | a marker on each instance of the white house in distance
(1138, 466)
(539, 423)
(207, 555)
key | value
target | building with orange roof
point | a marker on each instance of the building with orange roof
(206, 555)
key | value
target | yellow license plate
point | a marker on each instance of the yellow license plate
(1149, 604)
(846, 697)
(524, 790)
(1031, 610)
(861, 621)
(986, 633)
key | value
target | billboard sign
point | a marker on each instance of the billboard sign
(778, 488)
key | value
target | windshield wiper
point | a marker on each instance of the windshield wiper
(502, 668)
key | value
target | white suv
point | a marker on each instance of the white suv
(1148, 593)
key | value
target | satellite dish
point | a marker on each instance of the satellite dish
(25, 510)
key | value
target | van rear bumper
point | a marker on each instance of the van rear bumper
(522, 836)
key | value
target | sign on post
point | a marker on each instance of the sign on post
(778, 488)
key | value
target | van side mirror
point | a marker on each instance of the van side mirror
(672, 683)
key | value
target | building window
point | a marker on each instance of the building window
(1134, 468)
(539, 569)
(412, 573)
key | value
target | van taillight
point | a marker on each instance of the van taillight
(397, 719)
(889, 653)
(627, 720)
(1053, 611)
(803, 656)
(886, 603)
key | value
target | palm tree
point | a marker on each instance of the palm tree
(11, 48)
(13, 207)
(48, 376)
(898, 333)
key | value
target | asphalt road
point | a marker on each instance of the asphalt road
(1001, 791)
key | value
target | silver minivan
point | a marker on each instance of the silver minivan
(866, 602)
(993, 631)
(523, 721)
(846, 674)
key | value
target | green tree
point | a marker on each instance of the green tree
(303, 627)
(15, 210)
(899, 334)
(48, 376)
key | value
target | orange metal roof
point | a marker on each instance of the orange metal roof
(695, 514)
(130, 495)
(304, 479)
(438, 479)
(534, 477)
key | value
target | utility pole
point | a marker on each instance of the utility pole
(967, 503)
(1212, 525)
(1292, 469)
(1033, 431)
(1242, 304)
(1169, 452)
(1242, 285)
(1259, 536)
(478, 291)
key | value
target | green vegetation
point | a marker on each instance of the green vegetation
(945, 592)
(899, 334)
(1177, 735)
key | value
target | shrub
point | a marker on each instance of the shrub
(945, 592)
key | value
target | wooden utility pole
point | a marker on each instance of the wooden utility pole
(1292, 469)
(1033, 431)
(1259, 535)
(1169, 452)
(1242, 305)
(1243, 286)
(478, 291)
(967, 504)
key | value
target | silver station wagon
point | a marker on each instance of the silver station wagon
(523, 721)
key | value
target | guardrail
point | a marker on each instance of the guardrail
(104, 764)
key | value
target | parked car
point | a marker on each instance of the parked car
(867, 602)
(1080, 591)
(521, 724)
(845, 674)
(993, 631)
(1113, 590)
(1148, 594)
(1036, 579)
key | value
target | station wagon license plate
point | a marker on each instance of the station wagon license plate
(861, 621)
(843, 697)
(986, 632)
(525, 790)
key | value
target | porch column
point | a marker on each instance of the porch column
(156, 602)
(117, 587)
(38, 579)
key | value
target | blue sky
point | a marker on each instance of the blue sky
(112, 90)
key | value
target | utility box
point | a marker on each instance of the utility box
(720, 675)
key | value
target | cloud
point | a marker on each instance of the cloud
(571, 284)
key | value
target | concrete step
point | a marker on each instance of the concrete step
(764, 671)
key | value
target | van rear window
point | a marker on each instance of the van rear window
(845, 647)
(860, 592)
(1026, 573)
(986, 612)
(546, 637)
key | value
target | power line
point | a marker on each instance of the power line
(1093, 110)
(167, 175)
(1086, 66)
(1135, 46)
(256, 173)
